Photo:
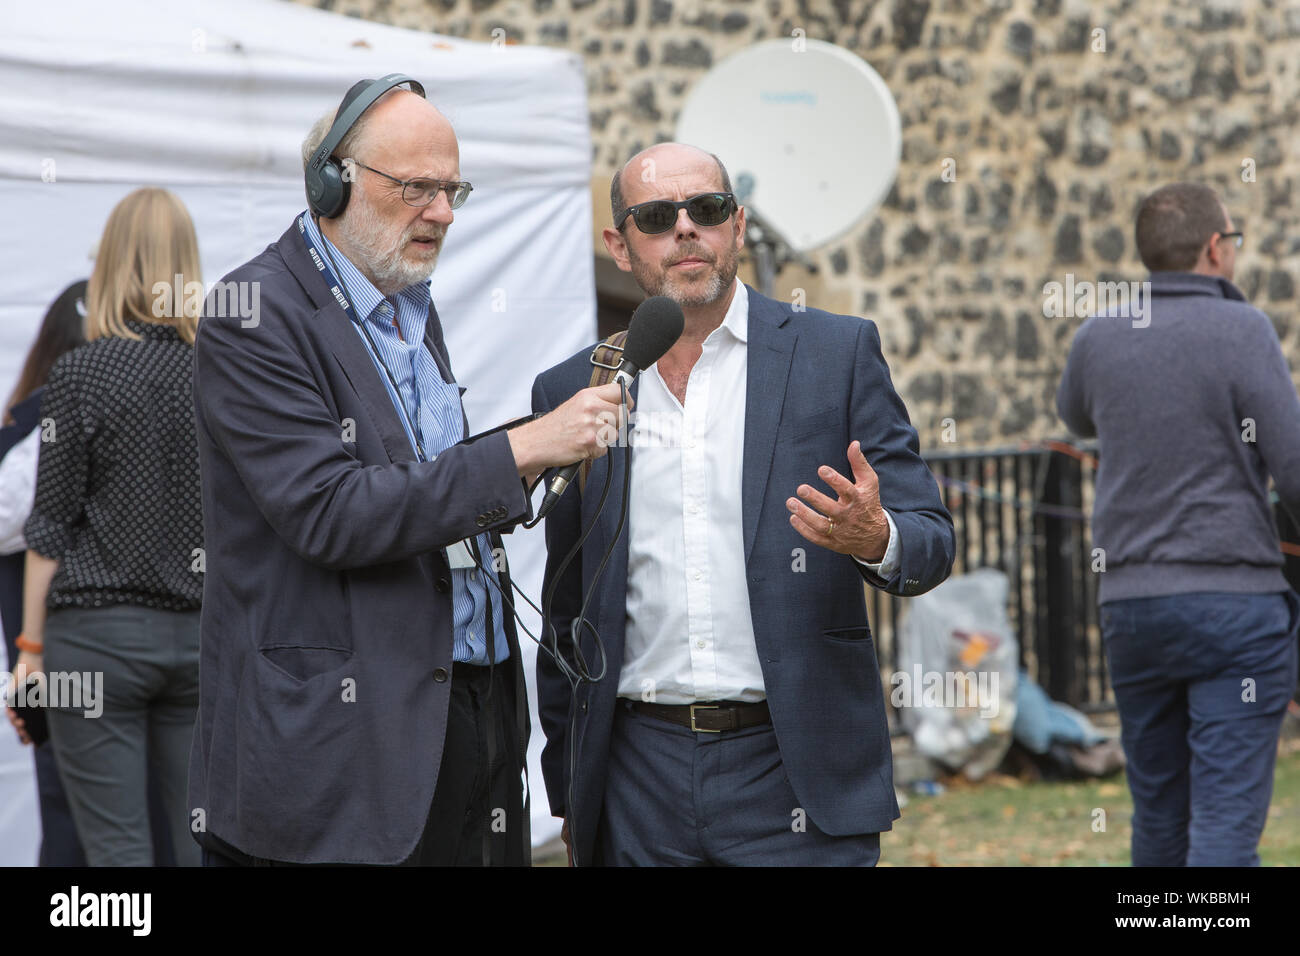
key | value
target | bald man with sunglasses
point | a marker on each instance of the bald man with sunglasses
(741, 717)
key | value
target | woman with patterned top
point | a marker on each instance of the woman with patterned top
(115, 538)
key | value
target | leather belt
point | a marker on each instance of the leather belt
(709, 717)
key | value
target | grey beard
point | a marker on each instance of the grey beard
(711, 292)
(719, 282)
(383, 266)
(393, 273)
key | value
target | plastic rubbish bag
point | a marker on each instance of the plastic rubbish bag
(955, 691)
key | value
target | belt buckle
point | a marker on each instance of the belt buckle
(703, 730)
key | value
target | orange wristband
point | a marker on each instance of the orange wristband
(24, 643)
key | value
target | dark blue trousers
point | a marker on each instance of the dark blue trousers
(674, 797)
(1202, 682)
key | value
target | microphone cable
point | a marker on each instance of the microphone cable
(580, 672)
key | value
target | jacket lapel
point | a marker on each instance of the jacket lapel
(345, 343)
(768, 357)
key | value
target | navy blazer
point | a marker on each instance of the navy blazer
(327, 614)
(815, 382)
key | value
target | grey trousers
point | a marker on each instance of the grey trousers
(134, 698)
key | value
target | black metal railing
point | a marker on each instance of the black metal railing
(1025, 511)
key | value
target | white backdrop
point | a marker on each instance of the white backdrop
(212, 100)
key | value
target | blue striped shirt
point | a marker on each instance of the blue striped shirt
(432, 420)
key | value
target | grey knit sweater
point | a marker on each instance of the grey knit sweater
(1192, 414)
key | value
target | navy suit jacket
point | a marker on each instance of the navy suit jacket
(327, 614)
(815, 382)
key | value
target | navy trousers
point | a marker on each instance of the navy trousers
(1202, 682)
(674, 797)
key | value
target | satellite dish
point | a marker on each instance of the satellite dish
(808, 131)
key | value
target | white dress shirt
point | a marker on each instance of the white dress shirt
(689, 635)
(18, 491)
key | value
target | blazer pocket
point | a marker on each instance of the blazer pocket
(808, 426)
(302, 663)
(850, 635)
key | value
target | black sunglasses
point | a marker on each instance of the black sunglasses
(1239, 236)
(660, 215)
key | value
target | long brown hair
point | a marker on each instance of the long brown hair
(148, 241)
(63, 329)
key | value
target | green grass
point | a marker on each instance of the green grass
(1002, 821)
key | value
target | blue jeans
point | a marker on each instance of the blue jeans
(1202, 682)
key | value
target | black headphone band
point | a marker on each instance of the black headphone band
(350, 112)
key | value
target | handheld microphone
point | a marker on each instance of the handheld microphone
(656, 325)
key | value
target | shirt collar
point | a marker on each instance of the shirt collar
(736, 321)
(365, 297)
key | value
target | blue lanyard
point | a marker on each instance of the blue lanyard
(336, 287)
(339, 291)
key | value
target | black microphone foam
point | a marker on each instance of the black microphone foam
(656, 325)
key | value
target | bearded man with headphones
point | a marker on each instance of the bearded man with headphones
(362, 694)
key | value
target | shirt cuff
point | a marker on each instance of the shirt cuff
(889, 563)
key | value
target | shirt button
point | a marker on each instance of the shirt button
(701, 643)
(699, 575)
(440, 675)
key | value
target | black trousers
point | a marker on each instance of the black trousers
(476, 817)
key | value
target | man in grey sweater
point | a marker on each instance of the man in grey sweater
(1194, 408)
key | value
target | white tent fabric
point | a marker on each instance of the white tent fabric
(213, 100)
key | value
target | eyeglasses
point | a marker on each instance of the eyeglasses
(1239, 236)
(421, 192)
(660, 215)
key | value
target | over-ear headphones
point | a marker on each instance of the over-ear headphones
(327, 188)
